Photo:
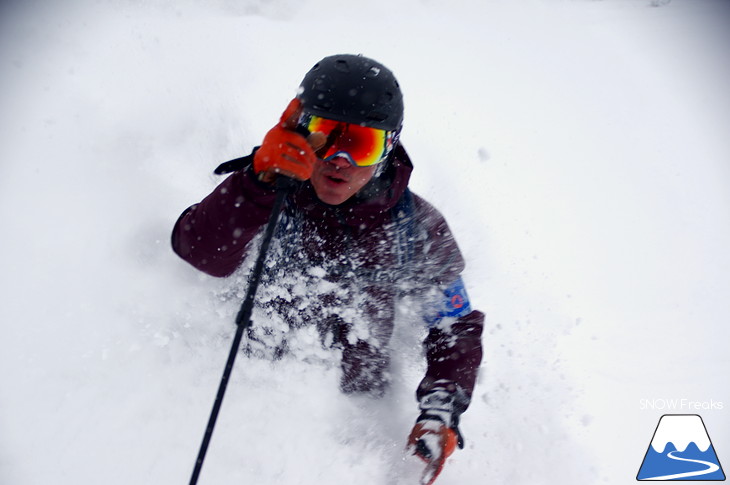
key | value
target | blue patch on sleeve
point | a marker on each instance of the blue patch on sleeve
(454, 303)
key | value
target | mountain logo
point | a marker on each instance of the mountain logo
(680, 450)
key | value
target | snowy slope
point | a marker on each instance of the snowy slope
(578, 148)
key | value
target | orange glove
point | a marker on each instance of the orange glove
(433, 442)
(285, 151)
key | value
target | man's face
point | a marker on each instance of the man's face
(337, 180)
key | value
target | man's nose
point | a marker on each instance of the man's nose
(340, 162)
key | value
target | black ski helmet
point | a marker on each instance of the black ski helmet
(353, 89)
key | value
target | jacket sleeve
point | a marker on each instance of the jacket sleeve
(454, 355)
(213, 235)
(453, 345)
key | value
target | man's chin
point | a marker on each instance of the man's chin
(330, 191)
(331, 199)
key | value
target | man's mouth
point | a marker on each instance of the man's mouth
(334, 178)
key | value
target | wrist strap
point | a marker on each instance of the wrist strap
(438, 405)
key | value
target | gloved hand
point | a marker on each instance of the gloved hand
(433, 442)
(286, 152)
(435, 435)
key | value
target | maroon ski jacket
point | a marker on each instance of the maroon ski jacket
(343, 269)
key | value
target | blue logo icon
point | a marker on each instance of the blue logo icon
(681, 450)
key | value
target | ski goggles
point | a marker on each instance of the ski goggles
(362, 146)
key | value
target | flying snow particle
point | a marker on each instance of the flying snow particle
(483, 154)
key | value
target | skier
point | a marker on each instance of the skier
(355, 237)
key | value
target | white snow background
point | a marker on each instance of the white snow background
(578, 148)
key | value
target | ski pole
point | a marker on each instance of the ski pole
(243, 319)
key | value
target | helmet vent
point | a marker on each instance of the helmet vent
(324, 106)
(377, 116)
(342, 66)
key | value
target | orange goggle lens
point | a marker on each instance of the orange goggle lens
(360, 145)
